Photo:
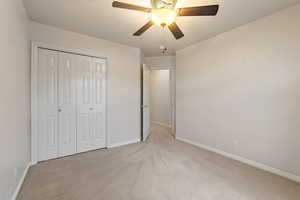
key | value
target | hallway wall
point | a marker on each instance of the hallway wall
(160, 108)
(160, 62)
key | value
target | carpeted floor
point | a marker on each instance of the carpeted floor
(160, 169)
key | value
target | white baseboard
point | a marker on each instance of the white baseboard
(245, 161)
(124, 143)
(162, 124)
(18, 188)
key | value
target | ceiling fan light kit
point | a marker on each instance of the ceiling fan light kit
(164, 13)
(163, 16)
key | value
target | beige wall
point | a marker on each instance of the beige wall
(160, 62)
(240, 91)
(160, 107)
(14, 99)
(123, 93)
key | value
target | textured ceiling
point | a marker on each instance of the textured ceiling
(97, 18)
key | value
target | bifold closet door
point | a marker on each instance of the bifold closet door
(67, 104)
(71, 104)
(57, 104)
(90, 104)
(47, 105)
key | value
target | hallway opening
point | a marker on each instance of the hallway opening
(160, 97)
(158, 94)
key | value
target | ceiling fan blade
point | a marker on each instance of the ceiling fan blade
(199, 11)
(117, 4)
(144, 28)
(176, 30)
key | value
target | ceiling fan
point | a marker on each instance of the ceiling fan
(164, 13)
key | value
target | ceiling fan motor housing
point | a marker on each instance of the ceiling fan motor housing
(166, 4)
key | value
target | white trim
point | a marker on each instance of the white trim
(245, 161)
(34, 70)
(20, 183)
(162, 124)
(124, 143)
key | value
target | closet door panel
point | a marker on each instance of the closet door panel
(47, 105)
(99, 140)
(85, 119)
(99, 137)
(67, 104)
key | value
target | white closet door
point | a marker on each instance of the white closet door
(71, 104)
(85, 116)
(99, 140)
(67, 104)
(91, 104)
(47, 105)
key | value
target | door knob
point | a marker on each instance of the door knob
(91, 109)
(59, 110)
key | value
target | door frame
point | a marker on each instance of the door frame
(172, 71)
(34, 88)
(143, 139)
(142, 102)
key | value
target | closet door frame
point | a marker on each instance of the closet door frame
(34, 88)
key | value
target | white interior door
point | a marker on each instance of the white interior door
(91, 104)
(47, 105)
(99, 137)
(67, 104)
(146, 102)
(85, 117)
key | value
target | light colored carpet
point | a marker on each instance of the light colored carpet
(160, 169)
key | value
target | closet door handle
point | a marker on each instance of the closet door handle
(91, 109)
(59, 110)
